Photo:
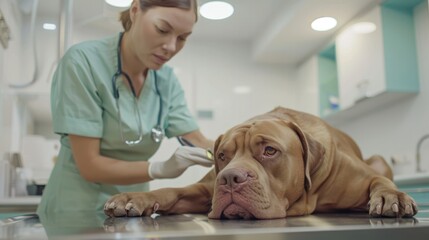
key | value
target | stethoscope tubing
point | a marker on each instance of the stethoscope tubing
(159, 133)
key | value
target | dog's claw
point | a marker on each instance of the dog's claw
(395, 208)
(378, 209)
(128, 206)
(408, 209)
(155, 207)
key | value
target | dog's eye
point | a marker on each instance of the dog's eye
(221, 156)
(269, 151)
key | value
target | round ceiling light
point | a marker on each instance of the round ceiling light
(364, 27)
(324, 24)
(216, 10)
(119, 3)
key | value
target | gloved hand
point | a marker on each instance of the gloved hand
(183, 158)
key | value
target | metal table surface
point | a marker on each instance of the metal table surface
(190, 226)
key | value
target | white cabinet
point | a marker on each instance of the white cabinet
(360, 59)
(379, 67)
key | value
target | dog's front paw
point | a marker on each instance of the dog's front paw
(131, 205)
(391, 203)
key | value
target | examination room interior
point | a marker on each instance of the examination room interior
(265, 55)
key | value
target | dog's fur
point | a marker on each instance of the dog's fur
(281, 163)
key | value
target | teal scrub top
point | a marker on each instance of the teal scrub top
(82, 103)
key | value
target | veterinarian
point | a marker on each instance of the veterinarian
(113, 101)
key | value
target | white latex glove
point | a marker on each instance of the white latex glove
(183, 158)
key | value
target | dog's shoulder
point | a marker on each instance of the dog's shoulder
(298, 117)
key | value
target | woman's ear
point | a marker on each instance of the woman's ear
(134, 9)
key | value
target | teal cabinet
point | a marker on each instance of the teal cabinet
(420, 193)
(328, 82)
(373, 69)
(417, 186)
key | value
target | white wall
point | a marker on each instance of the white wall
(7, 100)
(6, 73)
(396, 129)
(2, 126)
(307, 96)
(209, 71)
(216, 68)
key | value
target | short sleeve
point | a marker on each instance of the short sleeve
(179, 119)
(75, 103)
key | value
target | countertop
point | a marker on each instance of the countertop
(421, 178)
(193, 226)
(95, 225)
(19, 204)
(25, 200)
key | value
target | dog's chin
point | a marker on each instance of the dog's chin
(234, 211)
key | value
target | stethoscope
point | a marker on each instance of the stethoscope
(157, 133)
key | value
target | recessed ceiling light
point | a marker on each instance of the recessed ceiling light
(364, 27)
(216, 10)
(324, 24)
(119, 3)
(49, 26)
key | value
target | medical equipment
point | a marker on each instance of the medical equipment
(184, 142)
(157, 132)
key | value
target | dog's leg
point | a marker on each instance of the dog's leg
(386, 200)
(195, 198)
(380, 165)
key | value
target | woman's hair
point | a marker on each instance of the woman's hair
(147, 4)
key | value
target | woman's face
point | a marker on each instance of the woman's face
(157, 34)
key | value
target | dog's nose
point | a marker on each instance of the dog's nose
(233, 177)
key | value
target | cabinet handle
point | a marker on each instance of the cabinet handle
(361, 99)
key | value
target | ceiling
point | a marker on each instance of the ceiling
(278, 31)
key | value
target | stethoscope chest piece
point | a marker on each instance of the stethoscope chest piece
(157, 134)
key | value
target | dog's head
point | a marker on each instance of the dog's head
(262, 168)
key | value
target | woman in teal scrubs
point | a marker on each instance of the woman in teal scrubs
(112, 101)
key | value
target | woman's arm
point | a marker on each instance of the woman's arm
(199, 140)
(94, 167)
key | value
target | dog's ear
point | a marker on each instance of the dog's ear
(216, 147)
(313, 153)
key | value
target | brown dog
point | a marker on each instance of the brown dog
(282, 163)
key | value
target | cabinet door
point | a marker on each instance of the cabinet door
(420, 193)
(360, 59)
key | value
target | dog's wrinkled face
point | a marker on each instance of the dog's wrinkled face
(260, 170)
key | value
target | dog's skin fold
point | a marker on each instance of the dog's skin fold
(278, 164)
